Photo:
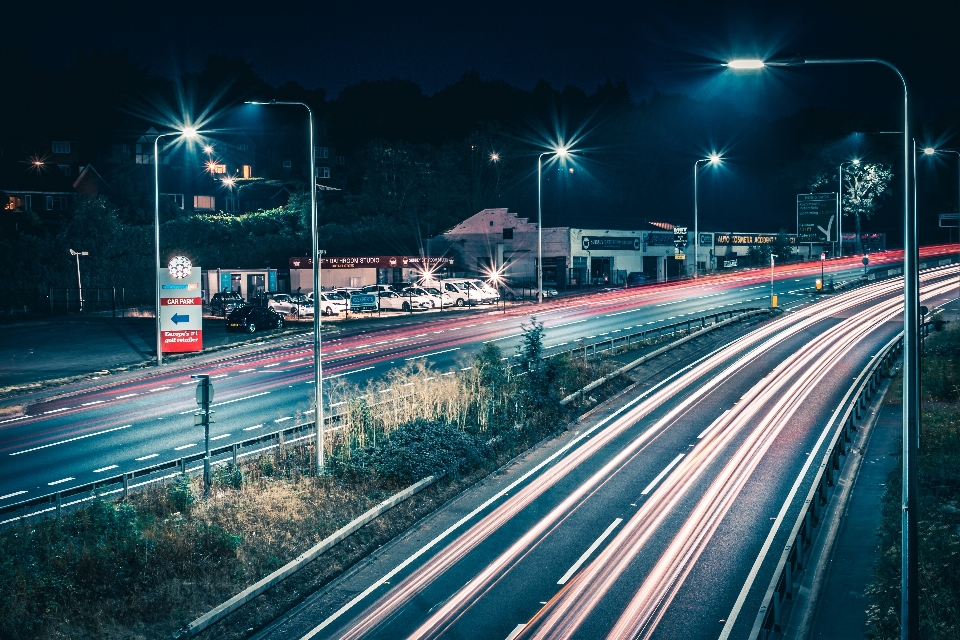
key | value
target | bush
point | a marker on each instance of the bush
(180, 494)
(421, 448)
(229, 476)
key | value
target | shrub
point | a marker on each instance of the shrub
(180, 494)
(229, 476)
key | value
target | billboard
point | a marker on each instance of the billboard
(817, 217)
(614, 243)
(181, 307)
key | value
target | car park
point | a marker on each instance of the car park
(252, 319)
(224, 302)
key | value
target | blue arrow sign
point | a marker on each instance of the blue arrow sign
(177, 318)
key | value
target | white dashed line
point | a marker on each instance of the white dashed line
(256, 426)
(152, 455)
(87, 404)
(12, 495)
(60, 481)
(129, 395)
(185, 446)
(89, 435)
(221, 437)
(102, 469)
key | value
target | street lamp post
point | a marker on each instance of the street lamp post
(317, 366)
(79, 285)
(855, 162)
(560, 152)
(190, 133)
(909, 570)
(931, 151)
(713, 158)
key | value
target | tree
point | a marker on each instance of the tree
(864, 185)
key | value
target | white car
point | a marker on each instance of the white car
(393, 300)
(436, 297)
(333, 302)
(290, 304)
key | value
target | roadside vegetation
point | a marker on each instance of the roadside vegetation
(143, 567)
(939, 497)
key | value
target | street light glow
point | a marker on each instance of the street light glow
(494, 157)
(208, 149)
(714, 158)
(229, 182)
(929, 151)
(855, 161)
(562, 152)
(190, 132)
(746, 63)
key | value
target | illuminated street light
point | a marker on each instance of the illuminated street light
(229, 182)
(494, 157)
(560, 152)
(208, 149)
(317, 367)
(931, 151)
(714, 159)
(909, 570)
(188, 133)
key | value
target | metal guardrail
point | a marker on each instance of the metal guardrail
(793, 560)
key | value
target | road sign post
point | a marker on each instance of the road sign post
(203, 418)
(865, 262)
(680, 243)
(817, 218)
(181, 307)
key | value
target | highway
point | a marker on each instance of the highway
(99, 428)
(655, 519)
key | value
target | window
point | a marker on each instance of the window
(323, 173)
(60, 147)
(204, 203)
(241, 147)
(28, 203)
(65, 168)
(321, 152)
(56, 203)
(14, 203)
(246, 171)
(287, 165)
(139, 148)
(125, 149)
(213, 167)
(341, 160)
(233, 204)
(508, 234)
(177, 199)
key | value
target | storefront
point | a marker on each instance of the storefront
(360, 271)
(249, 283)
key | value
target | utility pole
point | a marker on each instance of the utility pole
(204, 417)
(79, 285)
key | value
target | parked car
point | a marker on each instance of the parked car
(397, 302)
(333, 302)
(636, 278)
(250, 319)
(290, 304)
(375, 288)
(459, 290)
(226, 301)
(437, 298)
(475, 293)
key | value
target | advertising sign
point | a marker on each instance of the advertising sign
(181, 307)
(751, 238)
(657, 239)
(817, 217)
(679, 238)
(616, 243)
(371, 262)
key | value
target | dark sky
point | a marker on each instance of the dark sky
(667, 45)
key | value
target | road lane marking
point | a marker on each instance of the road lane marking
(241, 371)
(220, 404)
(102, 469)
(222, 375)
(586, 554)
(160, 389)
(435, 353)
(55, 410)
(221, 437)
(12, 495)
(15, 419)
(714, 423)
(256, 426)
(516, 631)
(512, 335)
(129, 395)
(661, 475)
(89, 435)
(284, 419)
(87, 404)
(345, 373)
(142, 458)
(566, 324)
(60, 481)
(620, 313)
(185, 446)
(276, 364)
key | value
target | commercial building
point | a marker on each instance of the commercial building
(359, 271)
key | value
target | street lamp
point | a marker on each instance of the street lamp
(714, 159)
(560, 152)
(79, 286)
(317, 367)
(909, 571)
(190, 133)
(930, 151)
(855, 162)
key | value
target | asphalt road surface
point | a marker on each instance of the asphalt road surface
(662, 517)
(100, 428)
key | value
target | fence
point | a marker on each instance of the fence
(97, 300)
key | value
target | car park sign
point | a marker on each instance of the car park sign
(181, 307)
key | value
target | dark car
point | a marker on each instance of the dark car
(636, 278)
(223, 303)
(250, 319)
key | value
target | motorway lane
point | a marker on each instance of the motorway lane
(270, 386)
(488, 602)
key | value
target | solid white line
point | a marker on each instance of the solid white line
(589, 552)
(142, 458)
(435, 353)
(89, 435)
(12, 495)
(185, 446)
(60, 481)
(661, 475)
(516, 631)
(713, 424)
(102, 469)
(226, 435)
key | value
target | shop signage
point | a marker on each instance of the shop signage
(751, 238)
(655, 239)
(371, 262)
(679, 238)
(615, 243)
(181, 310)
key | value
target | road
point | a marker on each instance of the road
(655, 519)
(102, 427)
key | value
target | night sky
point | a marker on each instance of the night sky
(667, 46)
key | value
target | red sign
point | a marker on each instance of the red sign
(181, 301)
(181, 341)
(369, 262)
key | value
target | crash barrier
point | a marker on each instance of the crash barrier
(224, 609)
(339, 415)
(650, 356)
(784, 586)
